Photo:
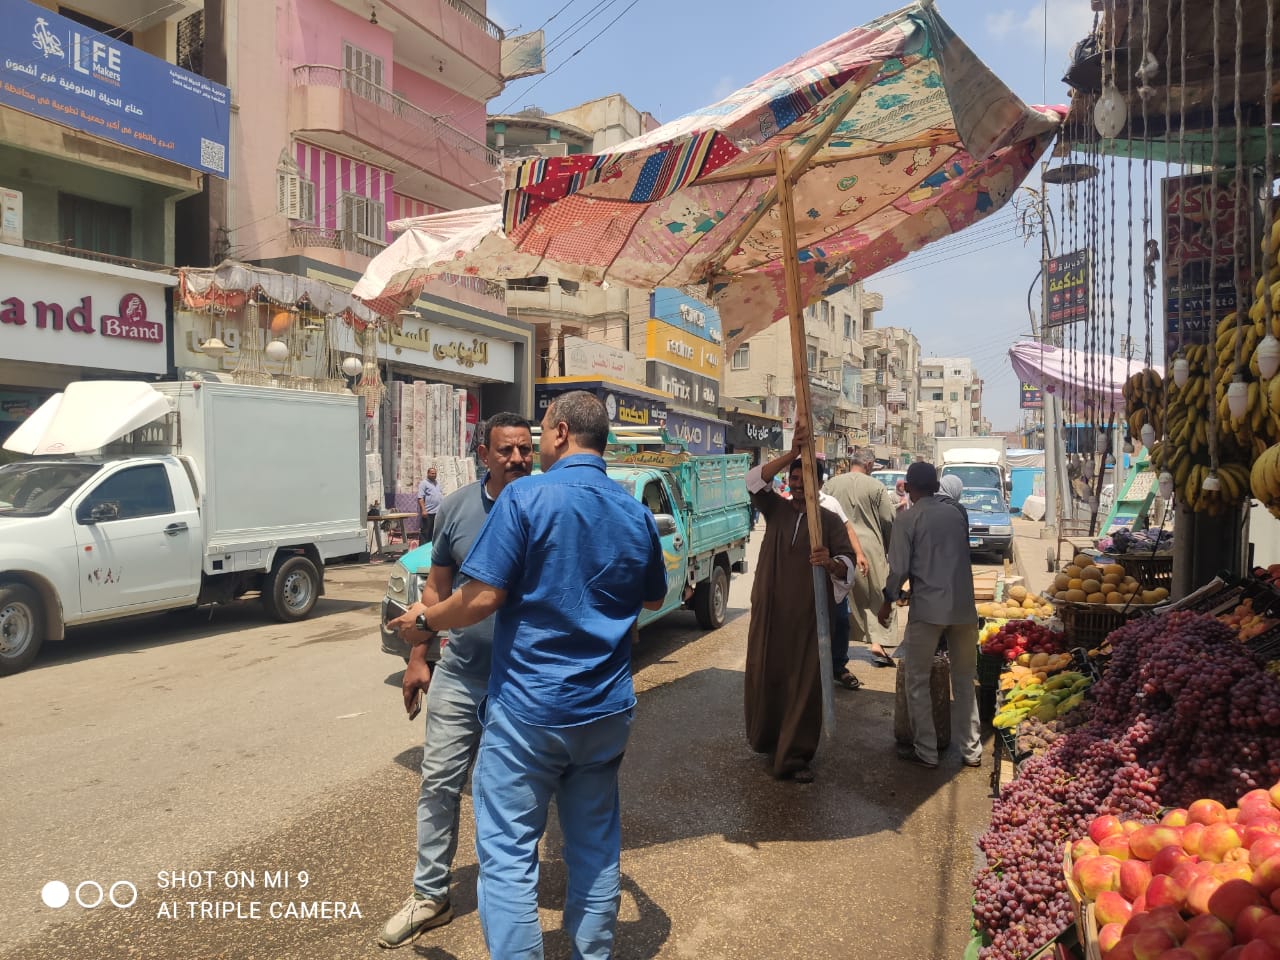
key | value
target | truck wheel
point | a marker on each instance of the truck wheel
(711, 599)
(291, 590)
(21, 627)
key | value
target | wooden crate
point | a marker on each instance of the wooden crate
(1086, 922)
(984, 585)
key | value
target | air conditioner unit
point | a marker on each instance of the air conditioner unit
(10, 216)
(552, 149)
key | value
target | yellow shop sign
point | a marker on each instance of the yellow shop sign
(675, 346)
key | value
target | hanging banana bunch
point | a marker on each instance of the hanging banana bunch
(1144, 402)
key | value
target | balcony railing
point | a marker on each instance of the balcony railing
(478, 18)
(318, 75)
(97, 257)
(309, 236)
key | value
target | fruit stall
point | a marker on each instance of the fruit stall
(1145, 796)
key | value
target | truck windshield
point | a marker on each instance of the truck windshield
(975, 476)
(36, 489)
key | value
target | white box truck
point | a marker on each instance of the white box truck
(137, 498)
(977, 461)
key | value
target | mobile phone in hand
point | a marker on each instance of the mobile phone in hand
(417, 705)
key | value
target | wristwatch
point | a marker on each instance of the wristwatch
(421, 623)
(433, 638)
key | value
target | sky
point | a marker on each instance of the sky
(964, 296)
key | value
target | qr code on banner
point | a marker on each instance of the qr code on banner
(213, 156)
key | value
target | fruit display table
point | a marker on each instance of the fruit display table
(1181, 724)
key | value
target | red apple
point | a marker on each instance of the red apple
(1169, 920)
(1123, 950)
(1218, 840)
(1261, 830)
(1116, 845)
(1165, 891)
(1084, 847)
(1206, 923)
(1093, 875)
(1111, 907)
(1264, 848)
(1151, 942)
(1268, 930)
(1259, 950)
(1266, 876)
(1147, 841)
(1104, 826)
(1191, 836)
(1200, 891)
(1168, 858)
(1233, 896)
(1185, 873)
(1208, 946)
(1129, 826)
(1246, 925)
(1135, 877)
(1206, 811)
(1108, 936)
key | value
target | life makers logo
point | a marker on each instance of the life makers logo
(90, 54)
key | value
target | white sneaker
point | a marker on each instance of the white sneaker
(416, 916)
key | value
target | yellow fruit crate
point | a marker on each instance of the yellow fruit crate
(1086, 922)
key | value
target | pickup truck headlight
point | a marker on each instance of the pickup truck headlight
(1001, 530)
(399, 583)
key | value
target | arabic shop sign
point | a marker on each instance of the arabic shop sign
(1030, 397)
(59, 70)
(421, 343)
(1068, 279)
(585, 358)
(623, 409)
(755, 433)
(1199, 282)
(685, 389)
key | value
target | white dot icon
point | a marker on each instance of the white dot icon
(55, 894)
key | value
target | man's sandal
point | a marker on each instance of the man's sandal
(848, 681)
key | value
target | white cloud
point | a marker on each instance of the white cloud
(1002, 23)
(1070, 20)
(724, 86)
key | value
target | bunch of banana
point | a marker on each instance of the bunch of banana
(1234, 482)
(1264, 479)
(1044, 700)
(1144, 401)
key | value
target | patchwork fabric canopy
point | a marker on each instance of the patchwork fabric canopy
(895, 134)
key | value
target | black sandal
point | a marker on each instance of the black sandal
(883, 660)
(848, 681)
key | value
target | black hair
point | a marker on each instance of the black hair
(503, 419)
(818, 468)
(584, 415)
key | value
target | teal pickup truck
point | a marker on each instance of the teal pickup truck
(702, 510)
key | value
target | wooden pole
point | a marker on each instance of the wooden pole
(799, 346)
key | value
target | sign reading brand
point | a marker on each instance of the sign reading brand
(685, 389)
(1068, 279)
(73, 75)
(54, 313)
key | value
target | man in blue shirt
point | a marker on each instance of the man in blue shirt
(429, 499)
(456, 686)
(566, 559)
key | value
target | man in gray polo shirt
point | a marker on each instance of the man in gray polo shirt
(458, 683)
(930, 548)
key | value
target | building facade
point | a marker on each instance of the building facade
(950, 398)
(104, 136)
(889, 373)
(836, 330)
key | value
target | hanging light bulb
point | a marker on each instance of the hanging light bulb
(213, 347)
(1181, 371)
(277, 351)
(1238, 398)
(1268, 354)
(1165, 482)
(1148, 435)
(1110, 113)
(1211, 483)
(352, 366)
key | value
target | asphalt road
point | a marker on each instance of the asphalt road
(232, 749)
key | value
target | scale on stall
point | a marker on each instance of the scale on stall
(1134, 504)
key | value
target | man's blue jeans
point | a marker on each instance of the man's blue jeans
(453, 734)
(519, 769)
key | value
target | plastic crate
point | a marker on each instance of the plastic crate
(990, 666)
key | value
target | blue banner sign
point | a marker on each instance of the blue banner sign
(73, 75)
(680, 310)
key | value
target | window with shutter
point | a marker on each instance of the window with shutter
(362, 217)
(364, 71)
(295, 195)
